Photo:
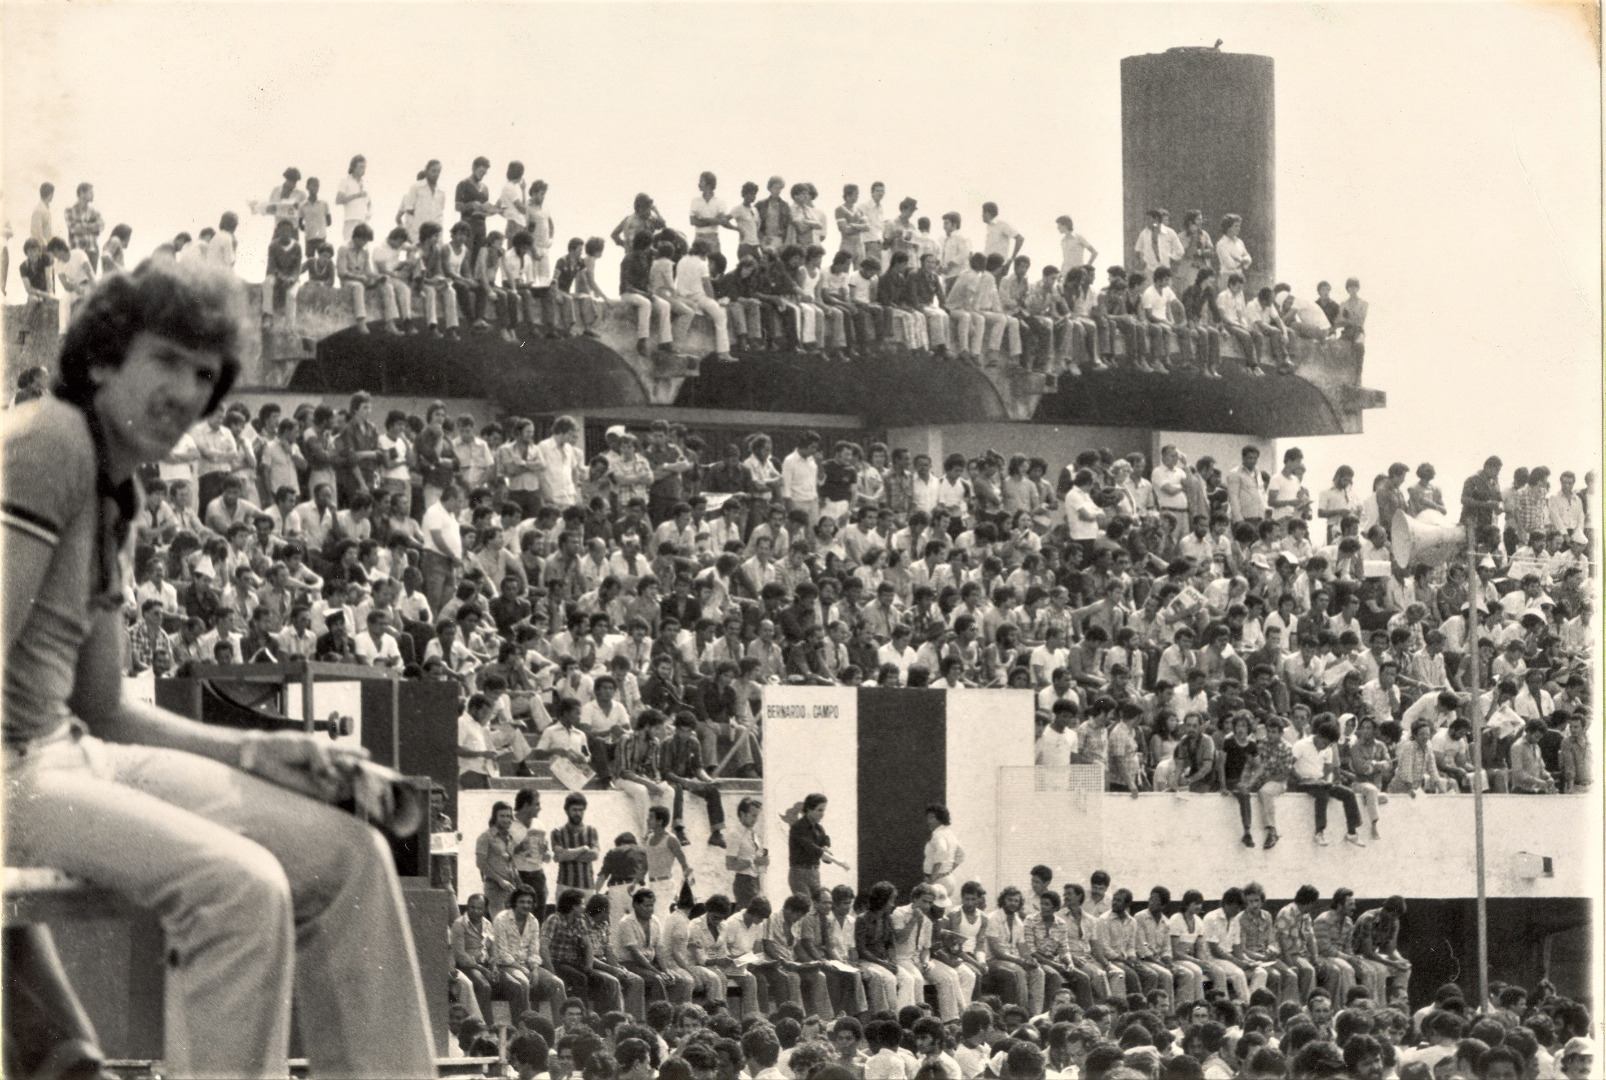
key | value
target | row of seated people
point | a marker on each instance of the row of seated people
(839, 953)
(892, 282)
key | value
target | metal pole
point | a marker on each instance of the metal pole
(1474, 601)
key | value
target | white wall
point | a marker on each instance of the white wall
(1189, 840)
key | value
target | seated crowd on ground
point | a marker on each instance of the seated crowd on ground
(1073, 983)
(892, 284)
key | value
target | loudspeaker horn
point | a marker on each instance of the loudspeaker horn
(1428, 539)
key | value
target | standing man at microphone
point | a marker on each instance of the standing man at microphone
(261, 886)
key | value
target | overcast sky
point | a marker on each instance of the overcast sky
(1445, 153)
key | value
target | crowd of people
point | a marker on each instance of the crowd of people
(531, 577)
(1188, 626)
(1072, 983)
(892, 283)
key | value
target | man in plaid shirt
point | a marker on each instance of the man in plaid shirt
(84, 224)
(1046, 944)
(1276, 764)
(1333, 929)
(149, 647)
(1296, 937)
(1529, 512)
(568, 950)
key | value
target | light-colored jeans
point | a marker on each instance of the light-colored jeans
(970, 332)
(646, 308)
(433, 296)
(260, 891)
(710, 307)
(1000, 327)
(936, 326)
(646, 794)
(880, 987)
(1267, 797)
(401, 293)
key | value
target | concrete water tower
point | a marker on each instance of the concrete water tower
(1198, 132)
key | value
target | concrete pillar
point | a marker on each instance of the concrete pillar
(1198, 133)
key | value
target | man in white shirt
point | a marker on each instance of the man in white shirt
(1315, 772)
(1082, 514)
(353, 197)
(1303, 317)
(1158, 245)
(1168, 480)
(376, 646)
(923, 485)
(442, 557)
(424, 201)
(476, 761)
(695, 291)
(709, 213)
(560, 463)
(1220, 934)
(1002, 239)
(1058, 742)
(954, 257)
(1157, 303)
(1233, 305)
(800, 477)
(1286, 495)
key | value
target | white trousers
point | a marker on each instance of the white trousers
(646, 794)
(1000, 327)
(808, 323)
(936, 326)
(259, 891)
(970, 332)
(432, 297)
(646, 307)
(710, 307)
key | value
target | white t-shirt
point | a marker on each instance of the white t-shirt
(1078, 501)
(1157, 302)
(395, 451)
(592, 718)
(1310, 763)
(1000, 238)
(471, 736)
(712, 208)
(508, 205)
(357, 208)
(690, 275)
(1054, 748)
(384, 653)
(557, 478)
(1283, 487)
(438, 519)
(800, 478)
(1163, 477)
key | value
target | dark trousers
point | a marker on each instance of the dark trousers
(208, 488)
(1066, 975)
(535, 881)
(744, 889)
(710, 794)
(601, 990)
(1321, 792)
(529, 501)
(1243, 809)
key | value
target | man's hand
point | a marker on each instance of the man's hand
(301, 762)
